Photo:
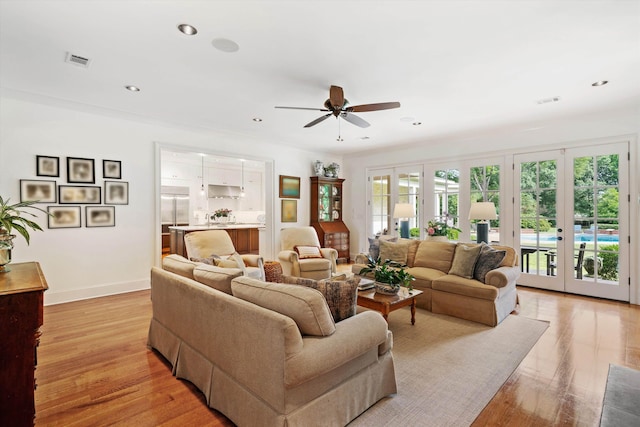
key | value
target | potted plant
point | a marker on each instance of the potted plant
(388, 275)
(13, 217)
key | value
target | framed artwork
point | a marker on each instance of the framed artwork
(81, 171)
(47, 166)
(100, 216)
(116, 193)
(64, 216)
(36, 190)
(289, 187)
(72, 194)
(289, 211)
(112, 169)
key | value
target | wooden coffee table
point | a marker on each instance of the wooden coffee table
(385, 304)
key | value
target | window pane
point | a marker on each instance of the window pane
(607, 169)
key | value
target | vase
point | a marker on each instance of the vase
(222, 220)
(318, 168)
(437, 238)
(6, 244)
(386, 289)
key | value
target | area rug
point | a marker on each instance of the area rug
(448, 369)
(621, 404)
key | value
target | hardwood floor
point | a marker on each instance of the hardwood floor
(94, 368)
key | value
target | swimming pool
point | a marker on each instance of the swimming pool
(583, 237)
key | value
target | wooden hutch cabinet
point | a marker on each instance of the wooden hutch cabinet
(326, 215)
(21, 299)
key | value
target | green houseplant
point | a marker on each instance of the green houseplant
(389, 275)
(14, 217)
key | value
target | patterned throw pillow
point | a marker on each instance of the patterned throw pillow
(341, 294)
(210, 261)
(305, 252)
(488, 260)
(374, 245)
(464, 261)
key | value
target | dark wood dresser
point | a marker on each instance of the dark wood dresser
(21, 299)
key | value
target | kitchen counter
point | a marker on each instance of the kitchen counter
(245, 236)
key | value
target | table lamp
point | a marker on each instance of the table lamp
(483, 211)
(402, 211)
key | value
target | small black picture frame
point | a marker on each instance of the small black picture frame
(48, 166)
(37, 190)
(112, 169)
(79, 194)
(64, 216)
(116, 193)
(100, 216)
(81, 171)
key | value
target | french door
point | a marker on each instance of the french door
(573, 209)
(388, 187)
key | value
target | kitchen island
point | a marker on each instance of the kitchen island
(245, 236)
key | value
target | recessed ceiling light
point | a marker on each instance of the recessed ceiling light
(132, 88)
(416, 123)
(600, 83)
(225, 45)
(187, 29)
(257, 119)
(548, 100)
(364, 138)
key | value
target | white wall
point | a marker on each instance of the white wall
(622, 125)
(89, 262)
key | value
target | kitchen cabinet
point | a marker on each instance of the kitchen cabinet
(223, 176)
(326, 215)
(246, 239)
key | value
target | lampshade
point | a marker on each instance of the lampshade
(483, 211)
(404, 210)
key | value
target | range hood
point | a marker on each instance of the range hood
(224, 191)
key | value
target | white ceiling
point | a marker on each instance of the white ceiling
(455, 66)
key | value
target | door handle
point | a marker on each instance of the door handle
(559, 238)
(559, 230)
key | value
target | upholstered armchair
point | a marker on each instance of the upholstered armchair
(205, 244)
(302, 256)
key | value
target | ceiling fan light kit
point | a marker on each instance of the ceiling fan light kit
(337, 105)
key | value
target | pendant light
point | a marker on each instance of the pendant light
(202, 177)
(242, 194)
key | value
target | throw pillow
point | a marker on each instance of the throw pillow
(340, 293)
(394, 251)
(239, 262)
(374, 245)
(209, 261)
(225, 263)
(489, 259)
(307, 307)
(464, 261)
(305, 252)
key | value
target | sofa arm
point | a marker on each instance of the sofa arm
(361, 259)
(353, 337)
(502, 276)
(252, 260)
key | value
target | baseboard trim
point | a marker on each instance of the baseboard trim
(53, 298)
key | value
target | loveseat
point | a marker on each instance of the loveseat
(268, 354)
(456, 280)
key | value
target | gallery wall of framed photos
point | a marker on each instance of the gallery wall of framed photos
(78, 187)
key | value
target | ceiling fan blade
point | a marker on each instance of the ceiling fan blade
(336, 97)
(353, 119)
(373, 107)
(318, 120)
(303, 108)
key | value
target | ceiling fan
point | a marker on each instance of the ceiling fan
(338, 106)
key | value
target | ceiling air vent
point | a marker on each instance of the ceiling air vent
(77, 60)
(548, 100)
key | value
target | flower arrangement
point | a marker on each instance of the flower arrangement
(441, 228)
(222, 213)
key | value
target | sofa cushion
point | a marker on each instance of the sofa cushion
(412, 249)
(374, 244)
(341, 293)
(305, 252)
(488, 260)
(216, 277)
(225, 263)
(464, 260)
(179, 265)
(306, 306)
(436, 255)
(468, 287)
(315, 264)
(395, 251)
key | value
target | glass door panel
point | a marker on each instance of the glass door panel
(380, 203)
(408, 191)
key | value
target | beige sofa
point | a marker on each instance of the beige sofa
(261, 367)
(431, 262)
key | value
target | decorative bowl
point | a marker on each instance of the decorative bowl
(386, 289)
